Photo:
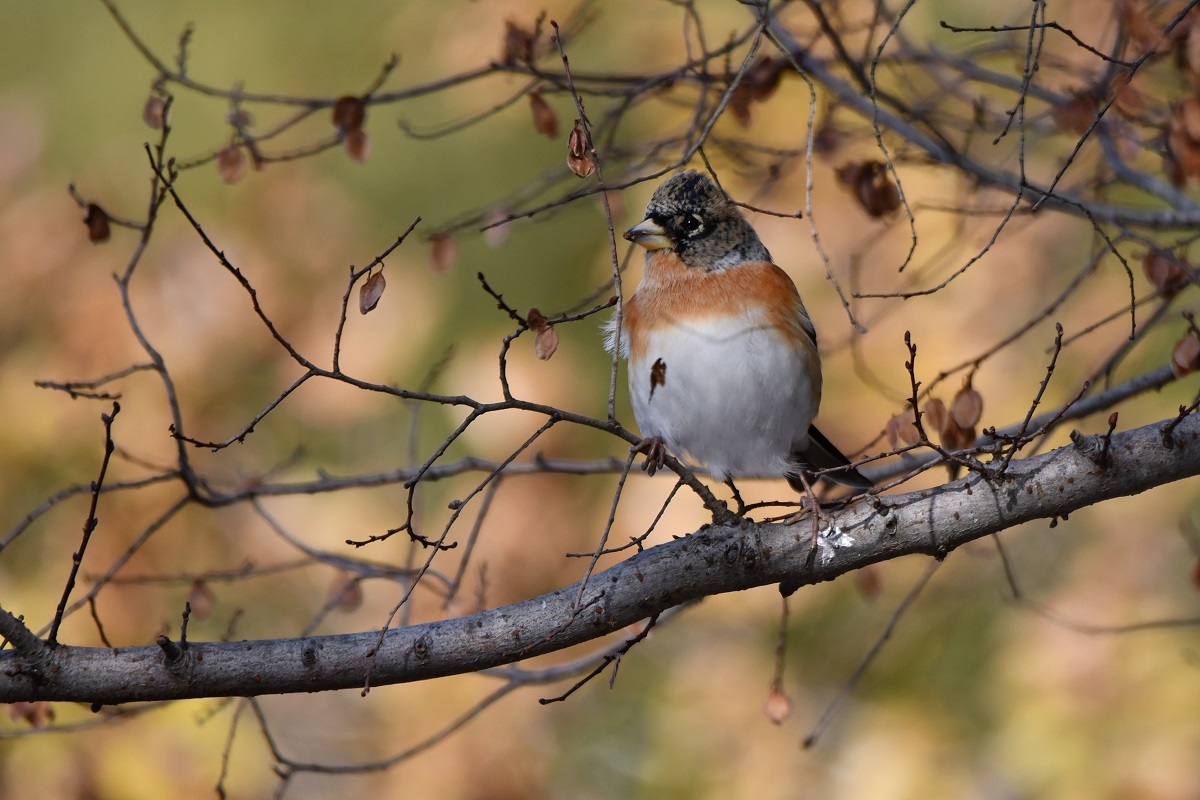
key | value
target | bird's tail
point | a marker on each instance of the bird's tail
(822, 455)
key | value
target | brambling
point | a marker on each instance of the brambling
(723, 362)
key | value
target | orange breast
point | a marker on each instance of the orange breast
(672, 294)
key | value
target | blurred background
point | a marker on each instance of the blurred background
(974, 696)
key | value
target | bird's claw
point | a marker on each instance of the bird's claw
(654, 450)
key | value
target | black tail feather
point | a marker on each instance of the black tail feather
(821, 454)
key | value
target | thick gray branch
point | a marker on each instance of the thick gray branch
(709, 561)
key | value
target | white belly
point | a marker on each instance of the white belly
(733, 396)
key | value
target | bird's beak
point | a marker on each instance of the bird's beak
(649, 234)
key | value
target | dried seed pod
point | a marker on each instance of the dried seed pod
(519, 44)
(370, 292)
(349, 113)
(545, 121)
(758, 83)
(232, 164)
(495, 232)
(936, 416)
(36, 714)
(96, 220)
(357, 144)
(1183, 140)
(902, 430)
(1191, 52)
(1185, 356)
(967, 407)
(239, 118)
(536, 320)
(1166, 272)
(545, 344)
(202, 600)
(1138, 25)
(956, 437)
(345, 593)
(868, 581)
(579, 157)
(872, 186)
(778, 706)
(1076, 113)
(154, 112)
(443, 252)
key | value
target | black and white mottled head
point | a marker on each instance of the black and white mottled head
(691, 216)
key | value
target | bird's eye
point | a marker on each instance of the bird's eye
(693, 224)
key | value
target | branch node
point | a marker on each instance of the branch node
(1168, 432)
(309, 653)
(173, 652)
(1093, 448)
(14, 631)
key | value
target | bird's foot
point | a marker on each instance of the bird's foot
(811, 507)
(654, 450)
(737, 497)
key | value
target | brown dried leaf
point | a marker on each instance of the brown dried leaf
(349, 113)
(872, 186)
(1076, 113)
(96, 220)
(936, 416)
(902, 430)
(370, 292)
(545, 121)
(868, 581)
(967, 407)
(443, 253)
(1139, 26)
(232, 164)
(828, 139)
(1183, 158)
(778, 706)
(1191, 53)
(956, 437)
(1187, 116)
(36, 714)
(495, 233)
(739, 106)
(1129, 100)
(1166, 272)
(357, 144)
(1183, 140)
(202, 599)
(579, 157)
(763, 76)
(757, 84)
(1185, 356)
(240, 118)
(154, 112)
(545, 344)
(519, 44)
(1196, 576)
(346, 594)
(536, 320)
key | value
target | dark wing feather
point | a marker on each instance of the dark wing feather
(821, 454)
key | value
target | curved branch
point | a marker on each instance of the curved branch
(715, 559)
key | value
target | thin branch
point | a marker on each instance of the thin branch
(89, 525)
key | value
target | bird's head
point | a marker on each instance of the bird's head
(690, 216)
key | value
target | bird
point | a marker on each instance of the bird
(723, 361)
